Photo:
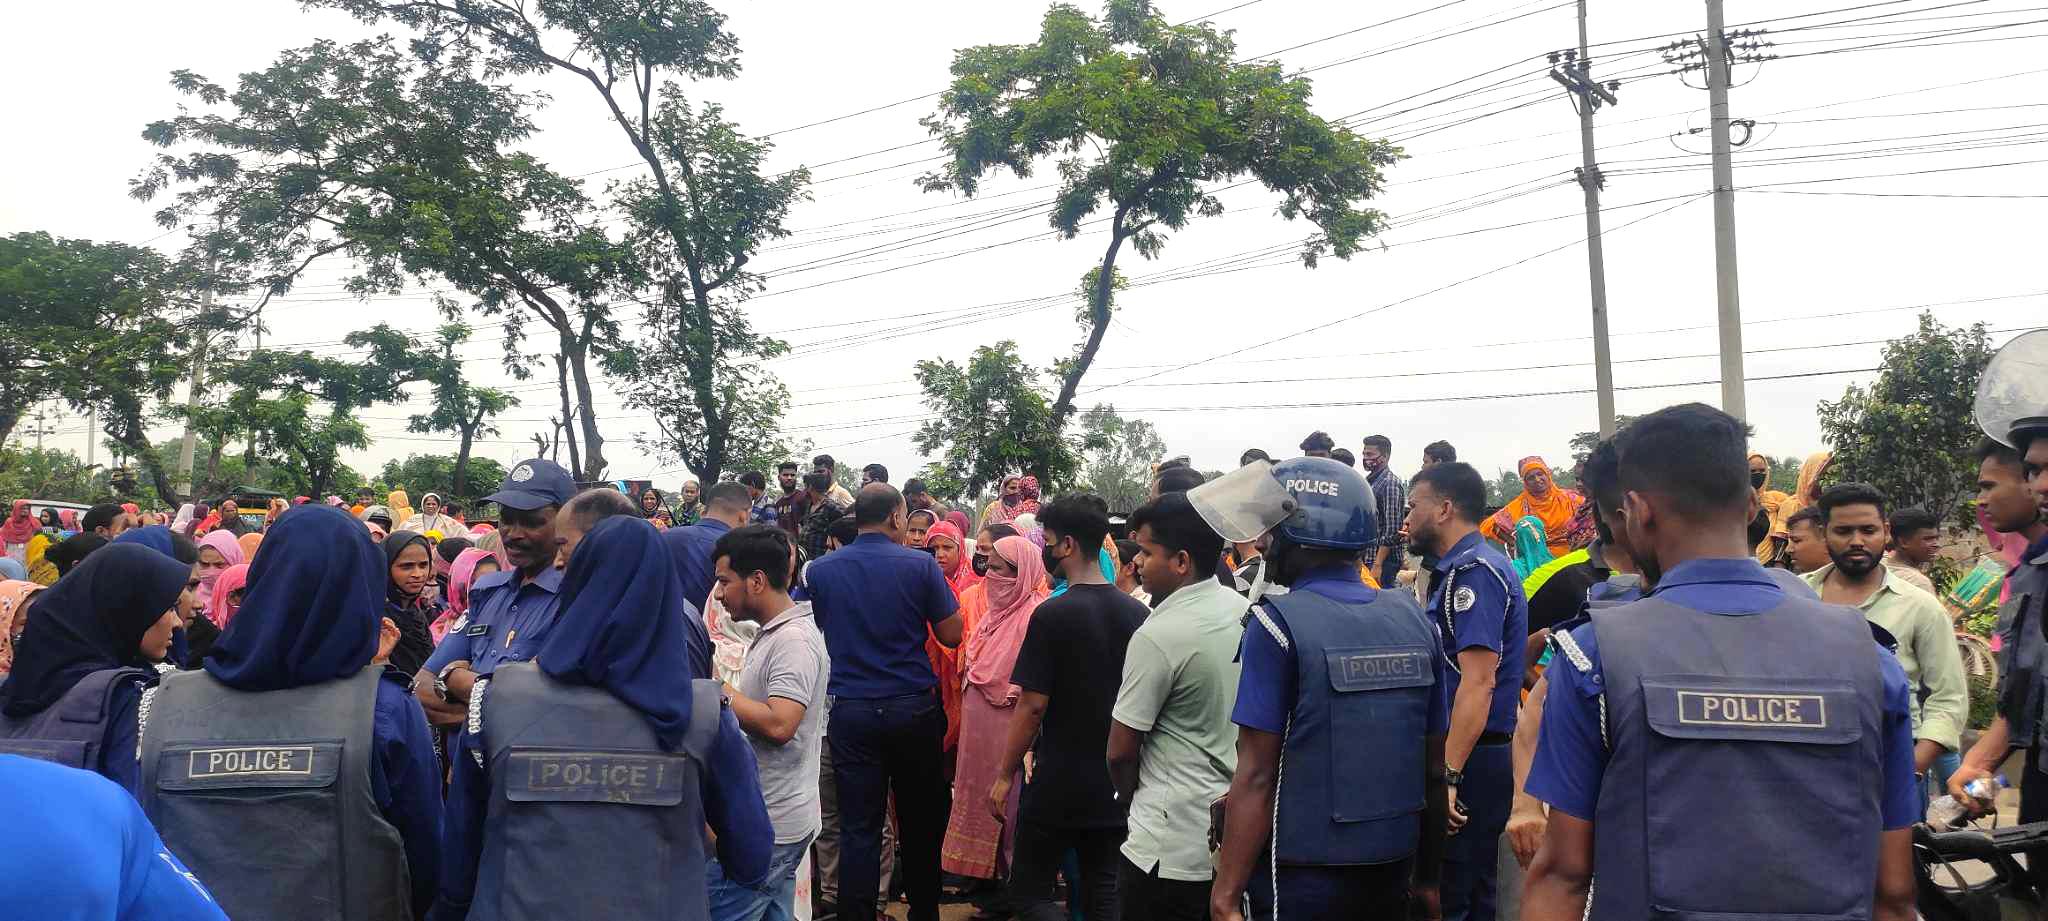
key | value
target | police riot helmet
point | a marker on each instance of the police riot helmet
(1334, 508)
(2012, 394)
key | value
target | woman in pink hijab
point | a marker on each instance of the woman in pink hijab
(976, 844)
(227, 592)
(218, 550)
(470, 565)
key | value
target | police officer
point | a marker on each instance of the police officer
(1720, 748)
(586, 777)
(1482, 618)
(1335, 808)
(2012, 408)
(294, 773)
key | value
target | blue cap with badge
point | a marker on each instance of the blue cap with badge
(533, 484)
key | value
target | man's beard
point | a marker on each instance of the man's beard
(1855, 564)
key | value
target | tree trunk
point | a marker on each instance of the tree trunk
(593, 443)
(700, 353)
(461, 483)
(1098, 326)
(127, 430)
(568, 427)
(9, 417)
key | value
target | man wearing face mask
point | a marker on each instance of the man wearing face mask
(1768, 727)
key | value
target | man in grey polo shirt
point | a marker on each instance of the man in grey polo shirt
(1172, 746)
(780, 703)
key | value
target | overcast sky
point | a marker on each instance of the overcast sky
(1465, 322)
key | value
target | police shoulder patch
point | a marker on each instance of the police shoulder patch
(1463, 599)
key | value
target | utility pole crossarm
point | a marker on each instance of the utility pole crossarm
(1573, 70)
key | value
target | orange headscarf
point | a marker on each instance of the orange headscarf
(1555, 509)
(249, 543)
(14, 595)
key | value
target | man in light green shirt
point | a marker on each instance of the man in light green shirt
(1172, 746)
(1853, 521)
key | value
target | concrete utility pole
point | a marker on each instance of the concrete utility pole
(92, 433)
(1728, 294)
(1576, 76)
(186, 450)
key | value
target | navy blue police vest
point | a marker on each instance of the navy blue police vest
(71, 730)
(1351, 767)
(1745, 763)
(586, 808)
(266, 795)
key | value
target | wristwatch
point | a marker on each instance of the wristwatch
(1452, 776)
(441, 681)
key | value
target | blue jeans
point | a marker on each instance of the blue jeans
(774, 901)
(1934, 782)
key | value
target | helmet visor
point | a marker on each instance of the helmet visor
(1244, 503)
(2014, 386)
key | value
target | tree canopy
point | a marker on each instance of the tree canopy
(991, 420)
(1117, 457)
(1911, 432)
(1143, 119)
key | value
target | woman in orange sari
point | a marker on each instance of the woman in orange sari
(949, 548)
(1805, 494)
(1541, 497)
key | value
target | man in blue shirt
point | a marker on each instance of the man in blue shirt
(1726, 785)
(726, 506)
(1482, 621)
(510, 611)
(875, 600)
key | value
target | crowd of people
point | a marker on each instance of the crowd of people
(1308, 687)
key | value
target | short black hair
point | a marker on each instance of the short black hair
(1126, 552)
(876, 502)
(591, 506)
(818, 482)
(451, 547)
(876, 473)
(915, 487)
(1910, 521)
(1459, 483)
(1318, 441)
(100, 516)
(755, 548)
(1081, 516)
(728, 495)
(1000, 530)
(1172, 462)
(825, 461)
(1179, 528)
(755, 479)
(1382, 442)
(1692, 454)
(1808, 515)
(185, 549)
(1600, 476)
(843, 529)
(786, 465)
(1841, 494)
(1253, 454)
(1440, 451)
(1179, 479)
(1987, 449)
(1344, 456)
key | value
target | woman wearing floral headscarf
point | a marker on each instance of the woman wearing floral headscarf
(15, 597)
(17, 529)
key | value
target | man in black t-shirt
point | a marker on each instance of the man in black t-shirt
(1069, 669)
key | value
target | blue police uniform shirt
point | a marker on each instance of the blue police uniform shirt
(873, 599)
(405, 781)
(1570, 756)
(691, 549)
(78, 848)
(729, 778)
(508, 621)
(1266, 679)
(1494, 616)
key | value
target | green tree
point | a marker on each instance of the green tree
(1504, 487)
(460, 407)
(49, 474)
(1911, 433)
(402, 163)
(696, 219)
(1167, 114)
(991, 420)
(1117, 457)
(102, 326)
(424, 473)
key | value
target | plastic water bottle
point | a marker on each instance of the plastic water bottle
(1945, 813)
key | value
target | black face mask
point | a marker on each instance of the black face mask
(1758, 478)
(1052, 563)
(980, 565)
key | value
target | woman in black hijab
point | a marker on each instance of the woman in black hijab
(97, 632)
(409, 573)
